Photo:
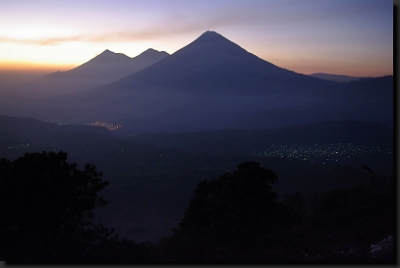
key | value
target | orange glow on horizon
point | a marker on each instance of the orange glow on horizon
(299, 64)
(303, 68)
(33, 66)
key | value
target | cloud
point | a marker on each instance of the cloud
(121, 36)
(269, 14)
(173, 24)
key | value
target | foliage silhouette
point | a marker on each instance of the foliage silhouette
(231, 218)
(238, 217)
(47, 203)
(340, 226)
(47, 208)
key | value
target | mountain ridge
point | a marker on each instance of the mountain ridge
(105, 68)
(213, 61)
(338, 77)
(109, 57)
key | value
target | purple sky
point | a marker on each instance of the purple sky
(352, 37)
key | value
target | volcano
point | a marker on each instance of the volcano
(213, 83)
(212, 63)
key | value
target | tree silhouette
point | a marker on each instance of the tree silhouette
(232, 218)
(343, 224)
(46, 207)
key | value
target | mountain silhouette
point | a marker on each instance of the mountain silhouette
(112, 65)
(212, 62)
(213, 83)
(104, 68)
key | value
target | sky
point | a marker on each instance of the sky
(351, 37)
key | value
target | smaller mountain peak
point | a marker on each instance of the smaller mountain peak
(108, 55)
(153, 53)
(150, 51)
(107, 51)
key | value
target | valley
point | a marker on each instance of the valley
(153, 177)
